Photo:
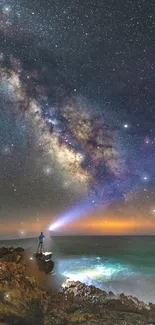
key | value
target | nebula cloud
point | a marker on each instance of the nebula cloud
(68, 132)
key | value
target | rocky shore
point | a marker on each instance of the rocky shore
(23, 300)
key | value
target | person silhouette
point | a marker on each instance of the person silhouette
(40, 245)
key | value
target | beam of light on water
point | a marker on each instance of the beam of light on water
(109, 275)
(92, 269)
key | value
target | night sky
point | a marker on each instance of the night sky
(77, 117)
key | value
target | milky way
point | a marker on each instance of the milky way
(67, 128)
(83, 76)
(81, 143)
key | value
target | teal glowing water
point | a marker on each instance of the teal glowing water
(118, 264)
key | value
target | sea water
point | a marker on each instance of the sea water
(118, 264)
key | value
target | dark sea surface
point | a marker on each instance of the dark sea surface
(118, 264)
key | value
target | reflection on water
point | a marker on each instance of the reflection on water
(110, 276)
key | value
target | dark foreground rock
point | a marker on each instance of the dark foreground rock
(23, 301)
(44, 263)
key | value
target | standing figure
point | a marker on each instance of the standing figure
(41, 241)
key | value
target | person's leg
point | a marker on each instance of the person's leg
(41, 248)
(38, 248)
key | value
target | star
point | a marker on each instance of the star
(6, 150)
(66, 184)
(6, 9)
(47, 170)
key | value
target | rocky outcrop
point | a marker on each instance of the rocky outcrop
(101, 298)
(18, 255)
(11, 254)
(23, 301)
(45, 262)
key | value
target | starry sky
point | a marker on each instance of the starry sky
(77, 115)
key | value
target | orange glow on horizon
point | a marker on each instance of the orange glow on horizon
(111, 227)
(93, 225)
(22, 230)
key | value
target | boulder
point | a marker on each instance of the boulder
(12, 257)
(4, 251)
(45, 263)
(18, 249)
(17, 255)
(11, 254)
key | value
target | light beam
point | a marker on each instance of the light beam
(111, 192)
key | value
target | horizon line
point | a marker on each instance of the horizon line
(78, 235)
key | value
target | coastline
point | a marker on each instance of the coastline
(25, 301)
(120, 265)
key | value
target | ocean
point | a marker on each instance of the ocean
(118, 264)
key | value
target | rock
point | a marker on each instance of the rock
(78, 318)
(103, 298)
(11, 254)
(111, 294)
(48, 256)
(3, 322)
(24, 301)
(4, 251)
(12, 257)
(45, 264)
(18, 249)
(16, 255)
